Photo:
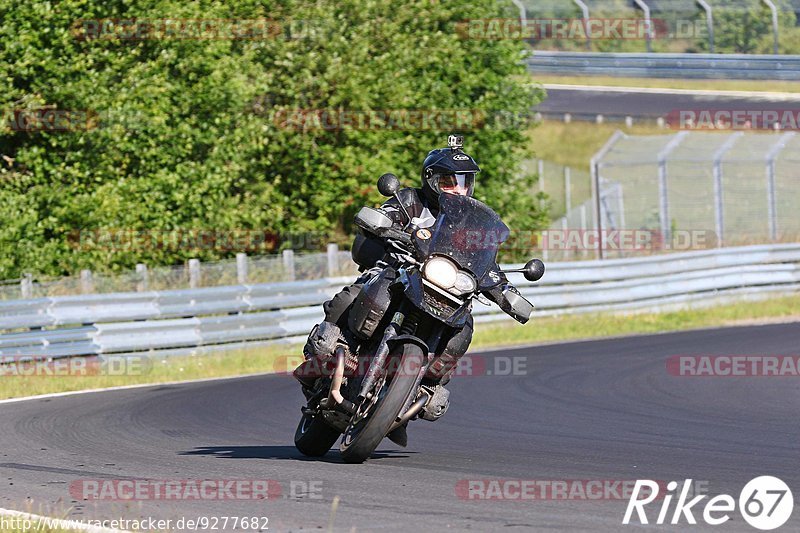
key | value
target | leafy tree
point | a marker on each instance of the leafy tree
(193, 132)
(746, 28)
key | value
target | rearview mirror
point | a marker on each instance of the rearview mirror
(388, 184)
(533, 270)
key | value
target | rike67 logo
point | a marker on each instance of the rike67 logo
(765, 503)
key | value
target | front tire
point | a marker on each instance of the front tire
(314, 437)
(359, 443)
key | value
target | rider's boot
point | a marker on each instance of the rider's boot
(399, 436)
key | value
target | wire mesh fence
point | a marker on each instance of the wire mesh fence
(732, 188)
(287, 266)
(566, 187)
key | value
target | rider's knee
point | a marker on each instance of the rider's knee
(322, 340)
(337, 307)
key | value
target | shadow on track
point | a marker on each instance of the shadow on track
(282, 452)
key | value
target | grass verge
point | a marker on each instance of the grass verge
(541, 330)
(27, 380)
(659, 83)
(592, 326)
(574, 144)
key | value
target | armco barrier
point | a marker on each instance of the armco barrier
(184, 321)
(695, 66)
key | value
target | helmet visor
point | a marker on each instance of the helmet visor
(462, 183)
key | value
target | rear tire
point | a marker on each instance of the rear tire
(314, 437)
(357, 448)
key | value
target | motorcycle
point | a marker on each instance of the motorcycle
(369, 387)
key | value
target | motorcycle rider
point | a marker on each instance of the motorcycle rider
(444, 171)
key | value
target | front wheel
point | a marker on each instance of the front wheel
(313, 436)
(361, 438)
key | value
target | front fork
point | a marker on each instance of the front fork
(376, 365)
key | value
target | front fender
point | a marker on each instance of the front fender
(408, 339)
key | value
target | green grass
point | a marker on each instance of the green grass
(538, 330)
(707, 85)
(592, 326)
(574, 144)
(163, 369)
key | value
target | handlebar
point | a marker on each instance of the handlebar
(398, 235)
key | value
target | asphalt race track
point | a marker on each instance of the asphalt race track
(602, 410)
(652, 103)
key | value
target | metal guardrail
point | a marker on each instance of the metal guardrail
(185, 321)
(694, 66)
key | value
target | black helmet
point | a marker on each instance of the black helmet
(448, 167)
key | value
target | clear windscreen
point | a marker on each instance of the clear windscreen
(468, 232)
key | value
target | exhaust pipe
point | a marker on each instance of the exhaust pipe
(335, 399)
(412, 411)
(338, 375)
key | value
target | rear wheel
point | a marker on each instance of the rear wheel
(313, 436)
(366, 433)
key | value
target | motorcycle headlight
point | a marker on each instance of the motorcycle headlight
(464, 283)
(441, 272)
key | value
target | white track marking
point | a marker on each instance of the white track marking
(753, 95)
(70, 525)
(128, 387)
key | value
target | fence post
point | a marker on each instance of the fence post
(194, 273)
(540, 170)
(241, 268)
(663, 185)
(771, 203)
(333, 259)
(288, 264)
(775, 26)
(648, 24)
(772, 206)
(87, 284)
(709, 23)
(586, 15)
(567, 187)
(594, 167)
(26, 285)
(719, 186)
(144, 281)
